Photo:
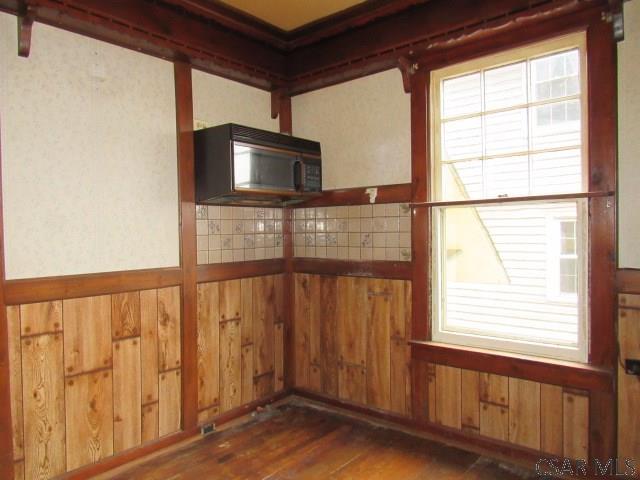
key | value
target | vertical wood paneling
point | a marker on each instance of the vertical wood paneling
(576, 426)
(246, 313)
(316, 315)
(263, 318)
(15, 380)
(352, 383)
(352, 319)
(301, 332)
(524, 413)
(18, 470)
(169, 402)
(169, 340)
(89, 418)
(38, 318)
(279, 356)
(207, 415)
(279, 302)
(448, 400)
(494, 421)
(230, 365)
(400, 320)
(87, 334)
(328, 332)
(494, 389)
(150, 422)
(470, 407)
(551, 406)
(127, 394)
(378, 355)
(629, 385)
(208, 345)
(44, 406)
(230, 299)
(149, 344)
(315, 378)
(247, 374)
(400, 376)
(431, 392)
(263, 386)
(125, 314)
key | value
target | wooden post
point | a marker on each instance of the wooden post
(184, 126)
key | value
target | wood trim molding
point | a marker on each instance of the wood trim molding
(217, 272)
(457, 438)
(165, 31)
(555, 372)
(397, 193)
(186, 184)
(350, 268)
(628, 280)
(6, 425)
(32, 290)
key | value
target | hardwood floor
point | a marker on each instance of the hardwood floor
(294, 442)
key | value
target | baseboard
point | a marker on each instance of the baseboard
(168, 442)
(501, 451)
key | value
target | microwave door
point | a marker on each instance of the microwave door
(262, 168)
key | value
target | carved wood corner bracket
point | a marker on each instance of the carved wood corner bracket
(407, 68)
(277, 96)
(25, 18)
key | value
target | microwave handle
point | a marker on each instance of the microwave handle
(297, 175)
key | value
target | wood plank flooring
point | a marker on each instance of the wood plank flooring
(297, 442)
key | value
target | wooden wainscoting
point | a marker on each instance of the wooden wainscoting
(350, 339)
(536, 416)
(92, 377)
(628, 385)
(240, 343)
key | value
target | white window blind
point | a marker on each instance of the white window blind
(512, 276)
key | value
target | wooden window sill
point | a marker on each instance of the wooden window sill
(556, 372)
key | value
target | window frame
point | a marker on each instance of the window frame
(508, 56)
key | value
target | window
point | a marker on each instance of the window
(509, 223)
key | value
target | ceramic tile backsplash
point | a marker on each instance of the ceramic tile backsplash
(358, 232)
(237, 234)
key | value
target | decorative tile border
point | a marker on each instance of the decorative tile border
(237, 234)
(358, 232)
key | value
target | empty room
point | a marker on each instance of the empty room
(319, 239)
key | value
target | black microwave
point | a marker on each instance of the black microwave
(247, 166)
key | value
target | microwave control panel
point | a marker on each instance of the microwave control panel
(312, 177)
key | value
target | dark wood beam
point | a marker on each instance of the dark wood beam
(25, 25)
(186, 184)
(417, 32)
(167, 32)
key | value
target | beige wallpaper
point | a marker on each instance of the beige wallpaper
(217, 100)
(88, 156)
(364, 129)
(629, 138)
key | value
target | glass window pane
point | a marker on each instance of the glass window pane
(556, 172)
(462, 139)
(505, 86)
(556, 125)
(507, 176)
(494, 273)
(461, 96)
(555, 76)
(461, 180)
(507, 132)
(567, 246)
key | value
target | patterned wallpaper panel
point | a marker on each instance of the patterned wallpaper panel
(358, 232)
(236, 234)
